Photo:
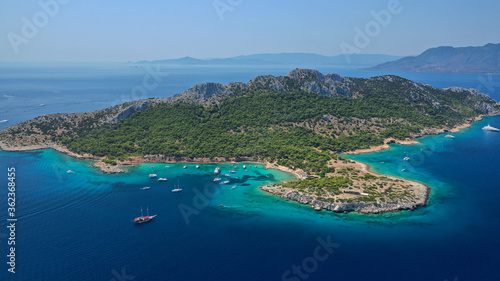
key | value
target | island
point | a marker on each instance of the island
(301, 122)
(446, 59)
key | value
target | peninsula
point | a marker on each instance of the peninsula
(299, 122)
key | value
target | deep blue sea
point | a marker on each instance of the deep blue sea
(78, 226)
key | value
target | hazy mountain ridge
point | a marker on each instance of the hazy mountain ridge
(485, 59)
(294, 59)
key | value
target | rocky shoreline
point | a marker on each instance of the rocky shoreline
(420, 195)
(388, 141)
(341, 207)
(420, 191)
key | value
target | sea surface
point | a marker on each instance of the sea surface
(78, 226)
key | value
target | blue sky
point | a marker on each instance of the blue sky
(130, 30)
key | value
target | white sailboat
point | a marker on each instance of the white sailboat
(178, 189)
(490, 128)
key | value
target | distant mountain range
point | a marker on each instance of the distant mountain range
(485, 59)
(292, 59)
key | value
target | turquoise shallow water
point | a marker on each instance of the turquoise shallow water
(78, 226)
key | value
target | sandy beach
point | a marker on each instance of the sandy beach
(382, 146)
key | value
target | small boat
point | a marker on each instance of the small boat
(220, 205)
(406, 158)
(224, 182)
(244, 166)
(197, 166)
(162, 179)
(146, 188)
(70, 172)
(178, 189)
(4, 120)
(143, 219)
(490, 128)
(153, 175)
(232, 171)
(227, 175)
(403, 170)
(42, 104)
(185, 166)
(234, 187)
(167, 166)
(450, 136)
(217, 170)
(217, 179)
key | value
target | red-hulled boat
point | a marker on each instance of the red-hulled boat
(142, 218)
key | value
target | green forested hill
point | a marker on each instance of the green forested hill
(300, 129)
(300, 120)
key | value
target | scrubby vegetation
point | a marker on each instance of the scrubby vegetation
(297, 129)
